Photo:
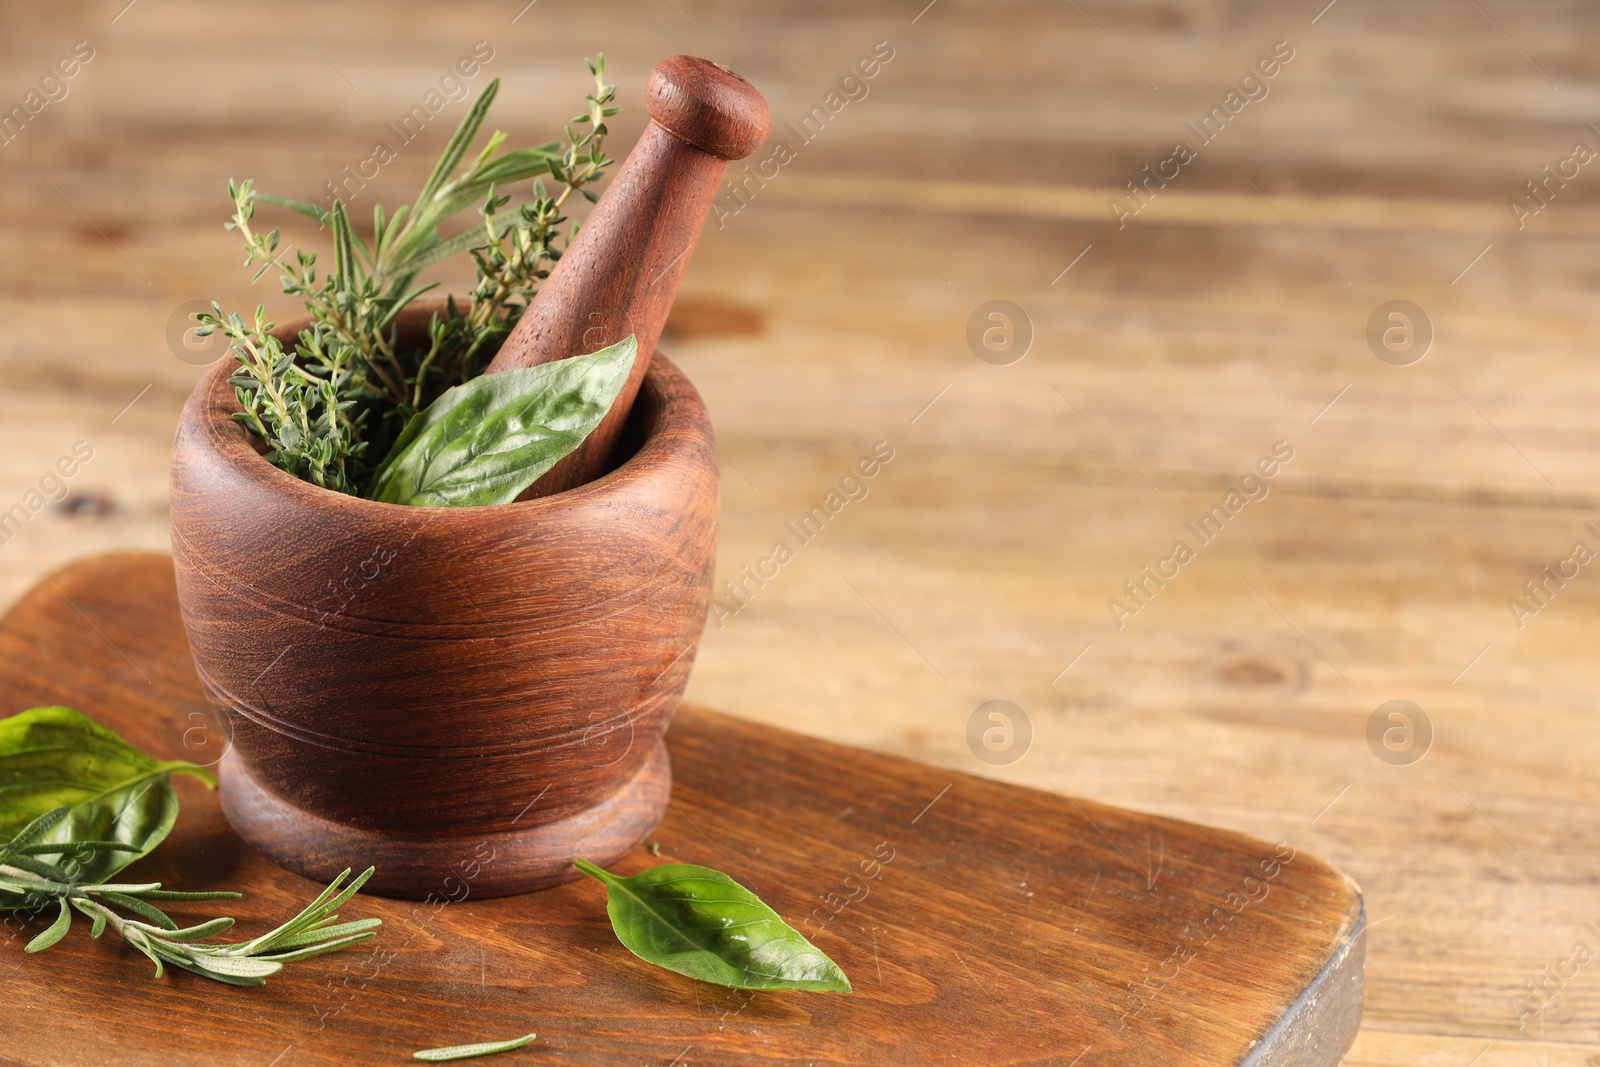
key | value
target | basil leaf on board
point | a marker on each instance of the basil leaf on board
(701, 923)
(60, 758)
(486, 441)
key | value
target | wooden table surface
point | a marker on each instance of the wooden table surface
(831, 312)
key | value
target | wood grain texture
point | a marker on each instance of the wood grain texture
(977, 921)
(1188, 342)
(621, 273)
(405, 678)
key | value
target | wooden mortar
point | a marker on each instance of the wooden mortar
(464, 697)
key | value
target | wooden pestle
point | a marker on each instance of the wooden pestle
(621, 273)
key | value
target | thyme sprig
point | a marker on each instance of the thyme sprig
(313, 932)
(330, 405)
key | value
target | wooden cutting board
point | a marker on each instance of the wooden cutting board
(980, 923)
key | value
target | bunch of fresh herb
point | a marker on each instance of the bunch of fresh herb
(314, 932)
(79, 804)
(331, 406)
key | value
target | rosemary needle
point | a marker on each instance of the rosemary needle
(463, 1052)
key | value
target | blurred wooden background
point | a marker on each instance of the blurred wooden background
(827, 314)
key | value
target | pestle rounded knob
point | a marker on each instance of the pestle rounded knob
(707, 105)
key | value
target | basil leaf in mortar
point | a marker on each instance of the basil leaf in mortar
(487, 440)
(701, 923)
(56, 757)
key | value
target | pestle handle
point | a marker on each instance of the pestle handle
(621, 273)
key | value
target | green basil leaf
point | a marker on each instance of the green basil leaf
(466, 1052)
(60, 758)
(701, 923)
(486, 441)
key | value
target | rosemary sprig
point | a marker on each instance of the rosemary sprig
(313, 932)
(330, 406)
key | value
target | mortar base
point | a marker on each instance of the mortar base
(450, 868)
